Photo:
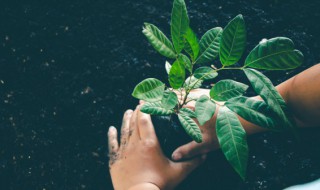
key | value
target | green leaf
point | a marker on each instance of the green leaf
(205, 73)
(191, 128)
(150, 90)
(255, 111)
(168, 67)
(188, 112)
(187, 48)
(179, 24)
(186, 62)
(264, 87)
(177, 75)
(155, 108)
(274, 54)
(205, 109)
(209, 45)
(169, 100)
(232, 140)
(226, 89)
(192, 83)
(158, 40)
(233, 41)
(191, 44)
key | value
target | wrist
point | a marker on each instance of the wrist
(249, 127)
(146, 185)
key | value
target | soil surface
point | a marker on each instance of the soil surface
(67, 70)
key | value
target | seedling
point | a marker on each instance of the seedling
(189, 70)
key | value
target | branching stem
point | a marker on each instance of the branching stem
(188, 90)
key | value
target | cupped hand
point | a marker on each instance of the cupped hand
(138, 162)
(209, 142)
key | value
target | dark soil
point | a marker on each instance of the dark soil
(170, 133)
(67, 69)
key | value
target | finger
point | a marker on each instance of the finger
(113, 145)
(125, 128)
(190, 105)
(134, 130)
(145, 125)
(188, 151)
(141, 102)
(182, 169)
(112, 140)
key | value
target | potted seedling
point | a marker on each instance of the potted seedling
(192, 65)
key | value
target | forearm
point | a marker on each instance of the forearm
(302, 95)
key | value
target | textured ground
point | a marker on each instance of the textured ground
(67, 69)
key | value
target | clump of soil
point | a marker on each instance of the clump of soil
(170, 133)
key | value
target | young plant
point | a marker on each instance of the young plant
(188, 72)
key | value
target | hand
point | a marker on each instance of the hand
(209, 142)
(138, 163)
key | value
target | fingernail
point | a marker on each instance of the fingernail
(176, 156)
(128, 112)
(111, 129)
(141, 102)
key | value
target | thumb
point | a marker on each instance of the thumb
(188, 151)
(182, 169)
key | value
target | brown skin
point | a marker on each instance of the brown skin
(138, 163)
(301, 93)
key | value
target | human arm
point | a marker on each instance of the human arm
(301, 93)
(138, 162)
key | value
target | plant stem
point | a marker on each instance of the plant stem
(185, 97)
(216, 70)
(190, 100)
(229, 68)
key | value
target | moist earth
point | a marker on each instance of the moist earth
(67, 70)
